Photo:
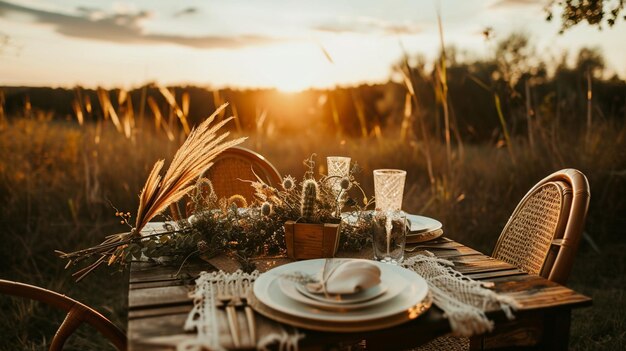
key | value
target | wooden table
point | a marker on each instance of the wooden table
(159, 304)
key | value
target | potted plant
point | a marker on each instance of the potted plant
(311, 212)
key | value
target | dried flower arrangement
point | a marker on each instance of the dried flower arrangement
(223, 226)
(193, 157)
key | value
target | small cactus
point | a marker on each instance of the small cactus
(309, 197)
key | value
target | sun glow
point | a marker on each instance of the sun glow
(292, 85)
(289, 67)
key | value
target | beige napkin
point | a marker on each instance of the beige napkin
(346, 277)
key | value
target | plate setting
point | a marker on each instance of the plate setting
(399, 295)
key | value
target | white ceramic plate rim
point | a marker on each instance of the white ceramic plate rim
(267, 291)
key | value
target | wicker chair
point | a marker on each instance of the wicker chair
(551, 217)
(541, 237)
(77, 313)
(227, 172)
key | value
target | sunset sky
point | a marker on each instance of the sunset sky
(261, 43)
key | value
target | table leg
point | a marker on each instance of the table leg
(556, 330)
(541, 330)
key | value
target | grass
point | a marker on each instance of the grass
(57, 185)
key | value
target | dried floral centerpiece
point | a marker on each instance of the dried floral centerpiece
(311, 213)
(220, 226)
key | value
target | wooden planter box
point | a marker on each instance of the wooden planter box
(305, 241)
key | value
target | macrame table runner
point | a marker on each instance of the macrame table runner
(462, 299)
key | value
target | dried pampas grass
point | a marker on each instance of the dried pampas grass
(193, 158)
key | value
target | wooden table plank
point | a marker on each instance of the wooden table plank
(496, 274)
(161, 296)
(149, 272)
(157, 311)
(163, 331)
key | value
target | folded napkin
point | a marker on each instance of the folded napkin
(346, 277)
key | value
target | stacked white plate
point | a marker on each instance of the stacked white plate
(420, 228)
(401, 296)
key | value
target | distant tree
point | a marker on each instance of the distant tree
(513, 56)
(590, 60)
(595, 12)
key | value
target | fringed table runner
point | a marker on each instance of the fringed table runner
(462, 299)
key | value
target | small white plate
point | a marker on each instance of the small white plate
(290, 289)
(421, 224)
(361, 296)
(417, 224)
(413, 291)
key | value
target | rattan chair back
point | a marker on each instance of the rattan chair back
(77, 314)
(230, 175)
(544, 231)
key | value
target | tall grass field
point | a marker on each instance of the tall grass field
(472, 145)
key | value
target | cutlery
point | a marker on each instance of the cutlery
(226, 300)
(246, 289)
(426, 247)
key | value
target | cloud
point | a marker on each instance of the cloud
(368, 25)
(124, 27)
(516, 3)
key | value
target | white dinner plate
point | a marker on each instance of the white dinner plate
(267, 290)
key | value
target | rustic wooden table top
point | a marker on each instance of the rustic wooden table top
(159, 302)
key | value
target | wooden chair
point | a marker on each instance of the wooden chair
(541, 237)
(227, 172)
(77, 313)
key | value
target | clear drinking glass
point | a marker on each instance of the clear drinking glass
(388, 189)
(338, 167)
(389, 236)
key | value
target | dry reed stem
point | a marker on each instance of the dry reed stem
(171, 100)
(158, 119)
(78, 111)
(107, 108)
(408, 81)
(443, 91)
(360, 112)
(236, 119)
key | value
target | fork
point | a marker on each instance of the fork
(245, 289)
(227, 301)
